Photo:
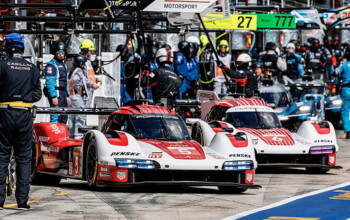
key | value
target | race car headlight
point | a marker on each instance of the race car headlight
(337, 102)
(126, 164)
(322, 150)
(283, 118)
(305, 109)
(139, 164)
(238, 165)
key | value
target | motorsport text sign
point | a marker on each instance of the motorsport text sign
(191, 6)
(235, 22)
(280, 21)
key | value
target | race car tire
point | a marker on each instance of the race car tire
(39, 178)
(197, 134)
(313, 170)
(91, 163)
(231, 190)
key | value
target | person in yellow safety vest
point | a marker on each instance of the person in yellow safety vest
(87, 48)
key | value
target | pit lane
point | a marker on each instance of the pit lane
(73, 200)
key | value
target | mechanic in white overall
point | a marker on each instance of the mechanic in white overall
(79, 85)
(224, 56)
(87, 48)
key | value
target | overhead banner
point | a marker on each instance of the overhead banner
(279, 21)
(190, 6)
(235, 22)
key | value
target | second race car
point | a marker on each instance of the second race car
(313, 146)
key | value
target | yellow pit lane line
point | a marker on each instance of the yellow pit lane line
(62, 194)
(12, 205)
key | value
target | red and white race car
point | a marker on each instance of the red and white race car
(313, 146)
(144, 144)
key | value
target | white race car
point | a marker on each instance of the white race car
(314, 146)
(144, 144)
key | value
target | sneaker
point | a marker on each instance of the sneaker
(23, 206)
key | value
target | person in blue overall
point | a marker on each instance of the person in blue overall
(343, 71)
(185, 67)
(294, 61)
(56, 76)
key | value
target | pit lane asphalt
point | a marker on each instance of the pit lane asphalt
(73, 200)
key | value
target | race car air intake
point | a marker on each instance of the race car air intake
(322, 150)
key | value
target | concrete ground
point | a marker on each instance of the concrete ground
(73, 200)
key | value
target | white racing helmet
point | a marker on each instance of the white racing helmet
(291, 45)
(243, 61)
(164, 55)
(193, 39)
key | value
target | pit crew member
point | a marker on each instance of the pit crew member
(56, 76)
(19, 88)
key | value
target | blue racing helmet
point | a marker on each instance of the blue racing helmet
(14, 40)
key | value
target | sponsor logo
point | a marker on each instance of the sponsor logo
(44, 139)
(156, 155)
(121, 175)
(240, 155)
(217, 156)
(105, 169)
(331, 160)
(55, 129)
(323, 141)
(105, 175)
(249, 177)
(125, 154)
(53, 149)
(255, 141)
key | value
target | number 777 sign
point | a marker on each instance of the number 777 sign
(280, 21)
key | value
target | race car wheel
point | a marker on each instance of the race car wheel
(38, 178)
(197, 134)
(91, 163)
(313, 170)
(231, 190)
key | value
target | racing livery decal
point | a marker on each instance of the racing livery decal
(278, 136)
(185, 149)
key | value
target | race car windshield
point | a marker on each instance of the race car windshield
(256, 120)
(277, 98)
(167, 127)
(308, 91)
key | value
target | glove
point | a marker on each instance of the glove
(220, 64)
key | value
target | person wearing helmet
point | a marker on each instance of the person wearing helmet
(317, 60)
(297, 44)
(19, 88)
(56, 82)
(3, 55)
(217, 73)
(295, 67)
(243, 63)
(343, 71)
(87, 48)
(165, 83)
(272, 61)
(79, 85)
(124, 95)
(257, 68)
(185, 67)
